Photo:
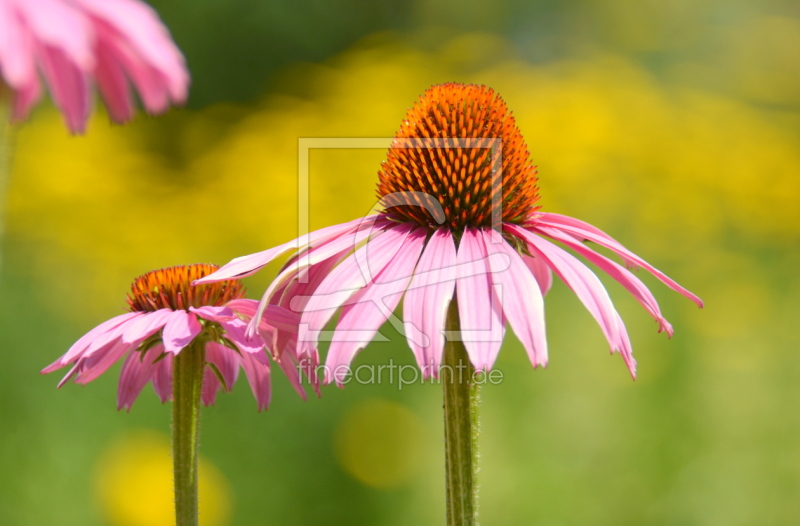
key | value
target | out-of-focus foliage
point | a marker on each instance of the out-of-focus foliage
(672, 126)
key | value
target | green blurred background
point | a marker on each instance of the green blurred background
(674, 126)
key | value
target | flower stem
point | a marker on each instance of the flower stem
(187, 377)
(5, 158)
(460, 428)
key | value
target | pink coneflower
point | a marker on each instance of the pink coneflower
(77, 44)
(167, 316)
(459, 221)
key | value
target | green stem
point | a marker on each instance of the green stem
(187, 377)
(460, 428)
(5, 157)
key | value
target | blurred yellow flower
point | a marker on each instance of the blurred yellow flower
(382, 443)
(689, 165)
(133, 484)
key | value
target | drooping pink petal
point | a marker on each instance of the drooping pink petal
(364, 313)
(211, 385)
(275, 316)
(80, 346)
(162, 378)
(583, 230)
(540, 271)
(235, 330)
(248, 265)
(427, 300)
(113, 85)
(580, 279)
(626, 350)
(137, 371)
(145, 325)
(17, 61)
(179, 330)
(291, 369)
(352, 274)
(521, 297)
(212, 313)
(91, 367)
(62, 26)
(622, 275)
(68, 85)
(257, 373)
(24, 99)
(226, 360)
(480, 315)
(139, 27)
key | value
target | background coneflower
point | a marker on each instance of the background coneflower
(189, 341)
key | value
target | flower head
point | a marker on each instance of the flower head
(167, 314)
(77, 44)
(457, 226)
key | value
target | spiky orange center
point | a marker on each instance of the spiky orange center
(171, 288)
(460, 146)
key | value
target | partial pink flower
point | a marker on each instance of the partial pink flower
(168, 313)
(79, 44)
(461, 222)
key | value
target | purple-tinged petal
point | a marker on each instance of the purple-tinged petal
(367, 309)
(162, 378)
(83, 343)
(113, 85)
(179, 331)
(540, 271)
(427, 300)
(622, 275)
(137, 371)
(226, 361)
(481, 318)
(61, 26)
(217, 314)
(235, 330)
(145, 325)
(248, 265)
(522, 300)
(69, 87)
(580, 279)
(583, 230)
(93, 366)
(257, 374)
(352, 274)
(211, 385)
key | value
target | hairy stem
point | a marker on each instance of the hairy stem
(187, 379)
(460, 427)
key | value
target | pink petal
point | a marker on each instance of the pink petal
(290, 368)
(522, 300)
(580, 279)
(368, 308)
(137, 371)
(583, 230)
(69, 87)
(427, 300)
(179, 331)
(481, 318)
(622, 275)
(235, 330)
(113, 85)
(83, 343)
(248, 265)
(162, 378)
(61, 26)
(93, 366)
(352, 274)
(24, 99)
(211, 385)
(258, 376)
(145, 325)
(540, 271)
(226, 360)
(138, 25)
(17, 62)
(216, 314)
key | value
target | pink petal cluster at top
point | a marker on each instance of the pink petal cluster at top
(366, 266)
(130, 334)
(77, 44)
